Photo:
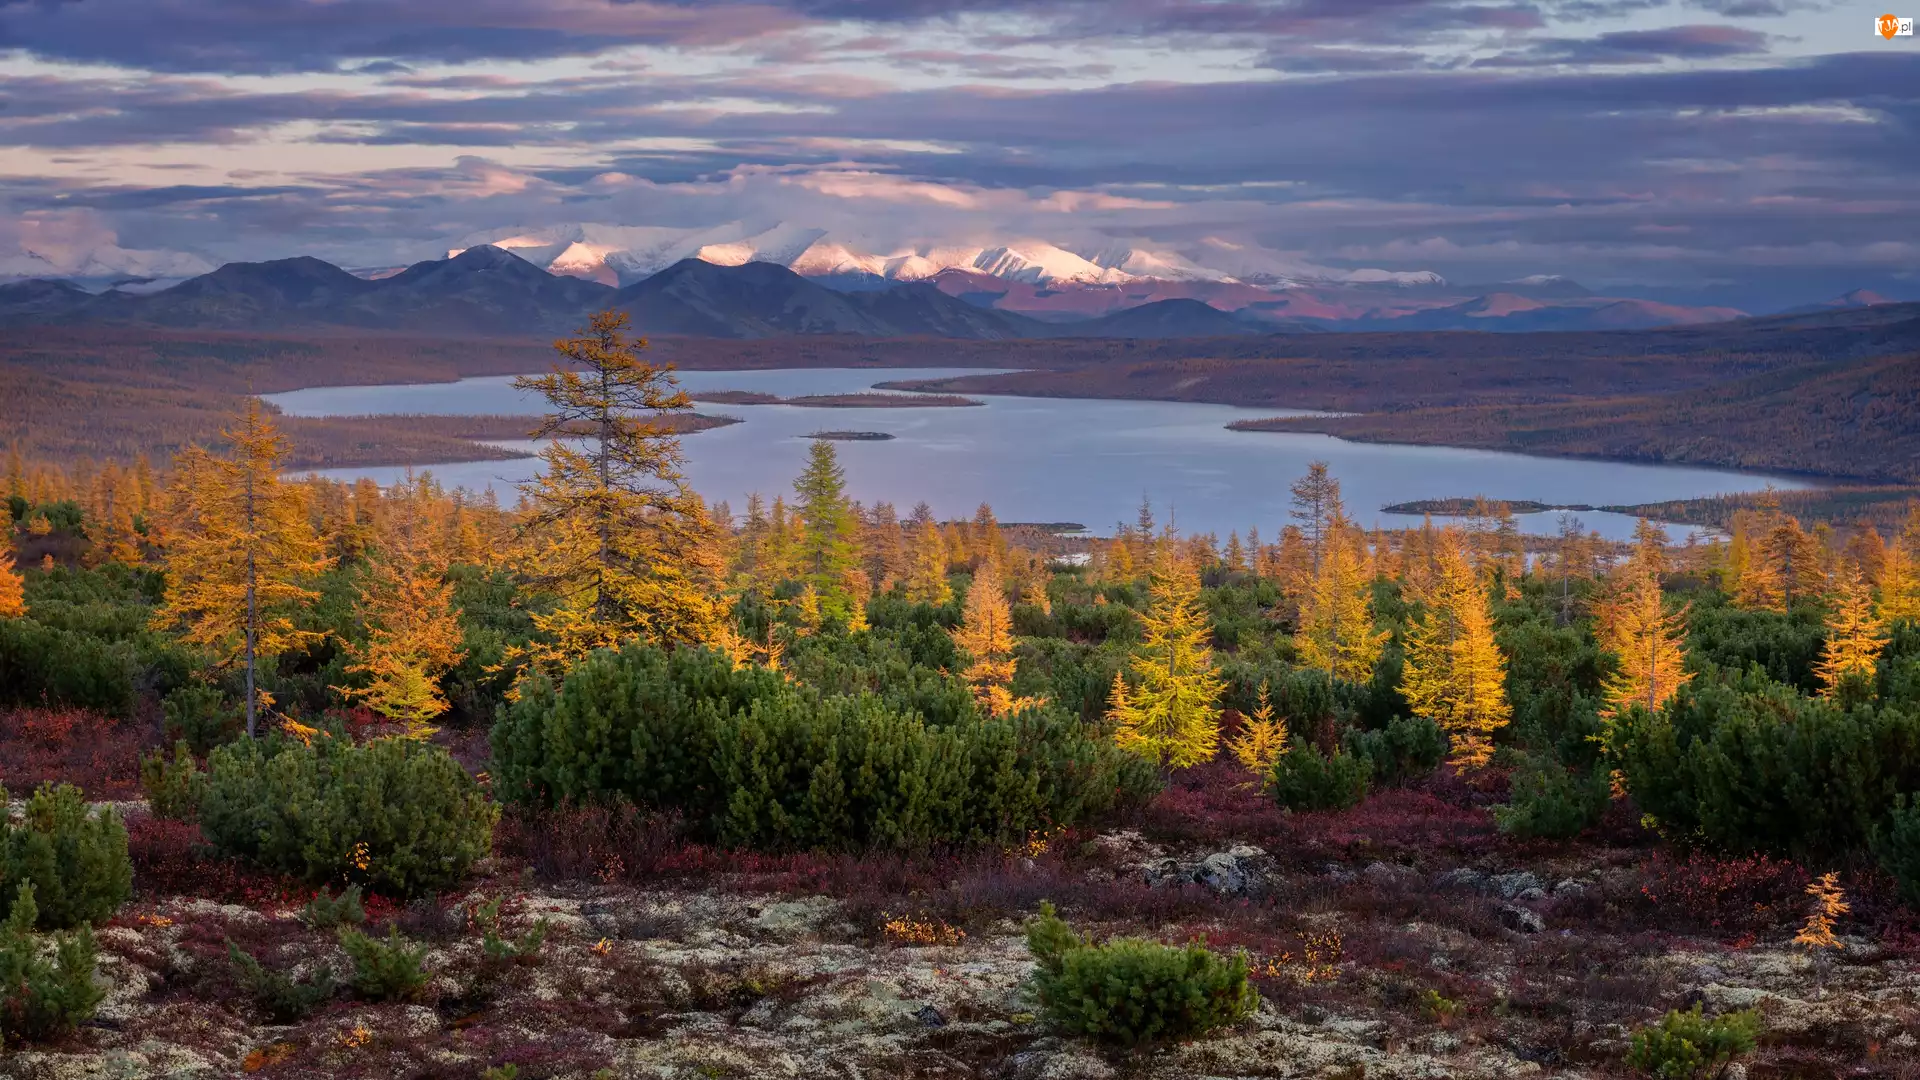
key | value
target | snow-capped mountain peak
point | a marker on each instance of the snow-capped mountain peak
(624, 254)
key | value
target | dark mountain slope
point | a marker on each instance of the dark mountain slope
(1180, 318)
(765, 300)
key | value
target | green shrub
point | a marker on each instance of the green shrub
(753, 761)
(1687, 1045)
(1406, 749)
(1133, 991)
(281, 998)
(389, 970)
(398, 814)
(1896, 844)
(202, 716)
(76, 860)
(42, 997)
(637, 723)
(326, 911)
(174, 788)
(502, 950)
(1546, 800)
(1746, 764)
(1305, 779)
(43, 665)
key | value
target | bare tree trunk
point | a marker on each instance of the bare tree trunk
(253, 616)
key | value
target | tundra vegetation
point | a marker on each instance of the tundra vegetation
(317, 779)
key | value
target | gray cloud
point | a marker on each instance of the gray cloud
(1355, 132)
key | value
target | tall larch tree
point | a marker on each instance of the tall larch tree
(1172, 713)
(1336, 633)
(1647, 641)
(1455, 674)
(829, 531)
(413, 629)
(1315, 501)
(1855, 633)
(985, 638)
(13, 588)
(886, 547)
(613, 528)
(241, 550)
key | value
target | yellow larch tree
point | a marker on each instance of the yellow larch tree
(111, 505)
(985, 639)
(240, 551)
(1262, 739)
(1172, 713)
(1036, 595)
(615, 531)
(1899, 585)
(1336, 632)
(13, 589)
(1647, 640)
(1855, 633)
(1650, 547)
(1455, 674)
(406, 603)
(927, 560)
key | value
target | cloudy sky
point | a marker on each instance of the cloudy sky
(1764, 151)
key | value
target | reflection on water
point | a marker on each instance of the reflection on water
(1054, 459)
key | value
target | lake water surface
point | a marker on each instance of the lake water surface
(1051, 459)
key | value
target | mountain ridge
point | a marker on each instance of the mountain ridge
(489, 291)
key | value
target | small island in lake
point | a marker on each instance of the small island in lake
(1468, 507)
(851, 436)
(861, 400)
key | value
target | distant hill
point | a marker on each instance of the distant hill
(1181, 318)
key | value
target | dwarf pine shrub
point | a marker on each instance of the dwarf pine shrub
(1688, 1046)
(1547, 800)
(1747, 764)
(174, 788)
(755, 762)
(1305, 779)
(280, 997)
(398, 814)
(46, 986)
(1406, 749)
(76, 860)
(202, 716)
(1131, 991)
(326, 911)
(393, 969)
(1896, 843)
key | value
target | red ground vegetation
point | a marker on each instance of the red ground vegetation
(72, 746)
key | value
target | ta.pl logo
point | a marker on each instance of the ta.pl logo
(1893, 26)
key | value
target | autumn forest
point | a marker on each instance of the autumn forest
(1281, 773)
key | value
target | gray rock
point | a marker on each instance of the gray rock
(1222, 873)
(1511, 885)
(1462, 878)
(1531, 895)
(1521, 920)
(1569, 887)
(1387, 873)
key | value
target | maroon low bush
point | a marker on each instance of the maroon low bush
(97, 753)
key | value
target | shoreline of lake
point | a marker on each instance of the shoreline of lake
(1052, 458)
